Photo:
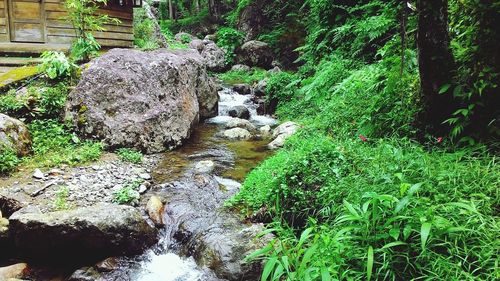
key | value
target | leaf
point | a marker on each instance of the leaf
(394, 232)
(393, 244)
(444, 88)
(259, 253)
(325, 275)
(369, 264)
(268, 268)
(425, 230)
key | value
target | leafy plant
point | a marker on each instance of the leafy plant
(229, 39)
(56, 65)
(85, 19)
(127, 194)
(8, 160)
(130, 155)
(241, 76)
(61, 200)
(144, 31)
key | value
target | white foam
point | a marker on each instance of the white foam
(169, 267)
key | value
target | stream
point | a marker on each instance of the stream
(169, 260)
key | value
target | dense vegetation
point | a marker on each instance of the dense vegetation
(394, 175)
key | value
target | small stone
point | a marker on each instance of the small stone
(205, 167)
(56, 172)
(142, 189)
(145, 176)
(154, 208)
(38, 174)
(107, 265)
(13, 271)
(265, 130)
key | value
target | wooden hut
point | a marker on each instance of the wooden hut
(41, 24)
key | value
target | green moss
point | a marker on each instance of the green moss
(17, 75)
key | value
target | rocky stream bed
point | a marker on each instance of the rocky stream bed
(182, 192)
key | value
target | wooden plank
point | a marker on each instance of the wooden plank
(50, 15)
(4, 38)
(3, 21)
(55, 7)
(26, 10)
(103, 42)
(3, 29)
(108, 27)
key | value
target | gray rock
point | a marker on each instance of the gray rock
(38, 174)
(240, 123)
(145, 176)
(239, 111)
(241, 67)
(142, 189)
(205, 167)
(13, 271)
(260, 89)
(242, 89)
(14, 135)
(84, 274)
(237, 134)
(255, 53)
(197, 44)
(94, 232)
(281, 133)
(265, 131)
(211, 37)
(214, 57)
(150, 101)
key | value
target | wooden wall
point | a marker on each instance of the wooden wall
(4, 36)
(60, 31)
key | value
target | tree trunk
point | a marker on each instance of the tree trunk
(436, 65)
(197, 6)
(170, 10)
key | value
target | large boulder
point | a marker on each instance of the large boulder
(255, 53)
(86, 234)
(14, 135)
(213, 56)
(145, 100)
(252, 19)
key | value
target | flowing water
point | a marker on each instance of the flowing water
(233, 160)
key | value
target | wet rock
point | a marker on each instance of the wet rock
(242, 89)
(281, 133)
(265, 131)
(84, 274)
(205, 167)
(241, 67)
(237, 134)
(38, 174)
(255, 53)
(14, 135)
(150, 101)
(260, 88)
(13, 271)
(155, 208)
(94, 232)
(239, 111)
(107, 265)
(240, 123)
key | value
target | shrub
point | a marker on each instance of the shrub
(424, 214)
(8, 160)
(240, 76)
(130, 155)
(144, 31)
(55, 144)
(56, 65)
(127, 194)
(229, 39)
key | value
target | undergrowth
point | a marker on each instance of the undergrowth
(241, 76)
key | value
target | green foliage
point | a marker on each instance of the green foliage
(240, 76)
(39, 101)
(84, 49)
(474, 32)
(56, 65)
(130, 155)
(229, 39)
(54, 144)
(127, 194)
(144, 31)
(61, 200)
(84, 18)
(432, 214)
(8, 160)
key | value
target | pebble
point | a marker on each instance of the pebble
(38, 174)
(142, 189)
(145, 176)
